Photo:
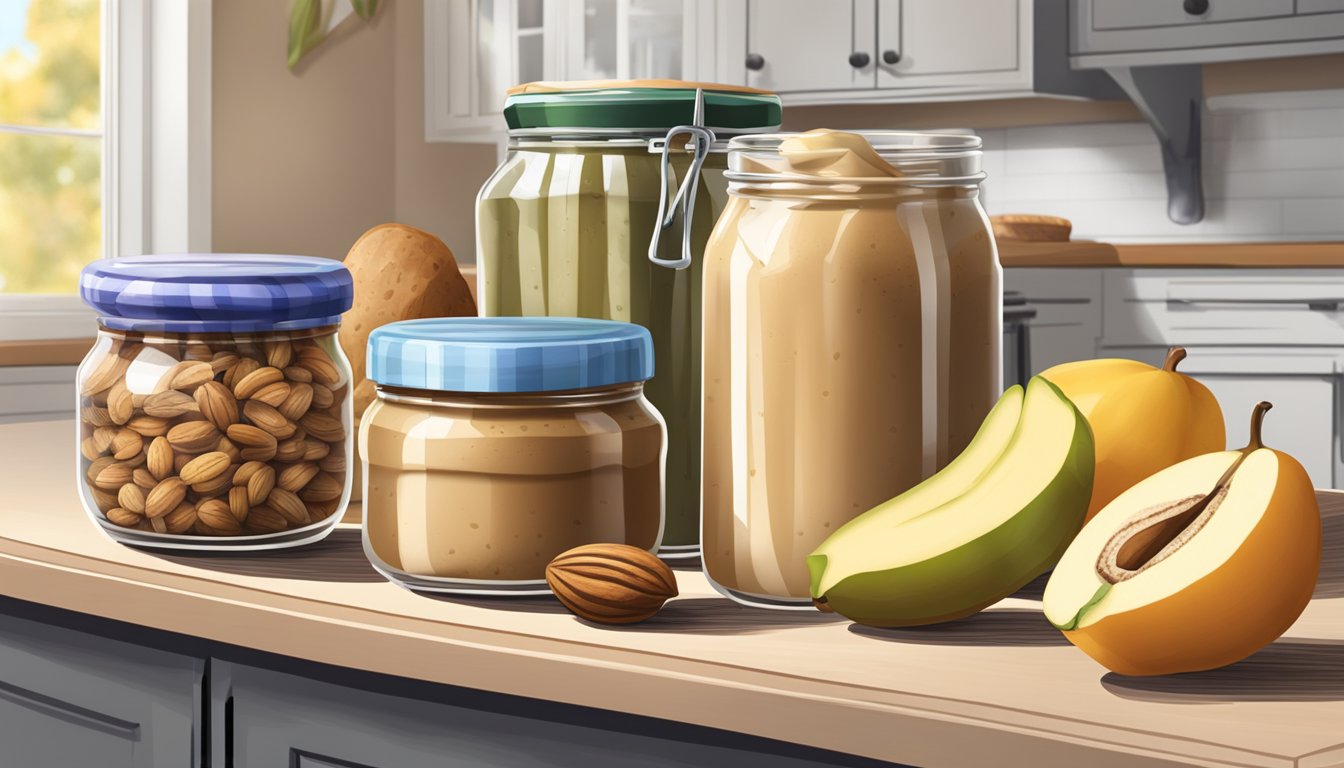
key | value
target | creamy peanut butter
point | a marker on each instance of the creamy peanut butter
(464, 489)
(852, 347)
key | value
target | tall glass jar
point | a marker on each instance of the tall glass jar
(214, 409)
(852, 316)
(568, 224)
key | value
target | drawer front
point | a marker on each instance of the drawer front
(1143, 14)
(1141, 309)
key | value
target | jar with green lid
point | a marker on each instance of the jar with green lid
(605, 185)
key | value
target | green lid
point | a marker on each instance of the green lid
(638, 106)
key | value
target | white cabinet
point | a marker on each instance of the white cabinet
(475, 50)
(811, 45)
(1068, 313)
(953, 43)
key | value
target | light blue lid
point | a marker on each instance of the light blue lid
(509, 354)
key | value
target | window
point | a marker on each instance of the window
(51, 143)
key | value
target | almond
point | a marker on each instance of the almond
(148, 426)
(217, 404)
(319, 364)
(247, 436)
(321, 510)
(96, 416)
(223, 361)
(110, 369)
(322, 396)
(260, 484)
(189, 374)
(205, 467)
(88, 448)
(158, 524)
(123, 517)
(297, 401)
(246, 471)
(263, 453)
(323, 427)
(180, 460)
(227, 448)
(238, 503)
(333, 461)
(299, 375)
(289, 450)
(611, 583)
(215, 514)
(181, 519)
(238, 372)
(119, 406)
(288, 505)
(278, 353)
(323, 487)
(169, 404)
(144, 478)
(198, 350)
(127, 444)
(263, 519)
(296, 476)
(98, 465)
(165, 497)
(215, 486)
(131, 497)
(273, 394)
(102, 437)
(316, 450)
(159, 457)
(254, 381)
(193, 437)
(104, 500)
(268, 419)
(113, 476)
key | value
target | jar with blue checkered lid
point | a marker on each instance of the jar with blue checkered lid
(214, 409)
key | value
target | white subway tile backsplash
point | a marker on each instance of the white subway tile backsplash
(1272, 172)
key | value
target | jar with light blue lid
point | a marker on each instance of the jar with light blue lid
(495, 444)
(214, 408)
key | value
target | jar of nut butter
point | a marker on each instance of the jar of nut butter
(214, 409)
(495, 444)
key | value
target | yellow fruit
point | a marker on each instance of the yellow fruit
(1158, 584)
(1143, 419)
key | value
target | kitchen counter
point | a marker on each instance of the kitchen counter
(1086, 253)
(970, 693)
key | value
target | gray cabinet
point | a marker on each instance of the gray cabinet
(1121, 33)
(271, 719)
(949, 43)
(1068, 313)
(69, 699)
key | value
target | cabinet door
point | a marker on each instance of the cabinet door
(805, 45)
(69, 699)
(924, 43)
(278, 719)
(1068, 313)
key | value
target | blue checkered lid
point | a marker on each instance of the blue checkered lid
(509, 354)
(217, 292)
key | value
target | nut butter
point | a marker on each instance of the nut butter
(852, 341)
(495, 444)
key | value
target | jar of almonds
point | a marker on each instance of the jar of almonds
(214, 409)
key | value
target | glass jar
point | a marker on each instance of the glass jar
(214, 408)
(495, 444)
(577, 220)
(852, 341)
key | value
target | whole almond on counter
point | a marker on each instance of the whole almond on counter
(611, 583)
(206, 466)
(165, 497)
(169, 404)
(254, 381)
(217, 404)
(193, 437)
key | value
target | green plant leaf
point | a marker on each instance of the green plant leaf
(305, 18)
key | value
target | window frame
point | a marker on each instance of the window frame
(155, 83)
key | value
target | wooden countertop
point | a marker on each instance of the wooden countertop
(1002, 688)
(1086, 253)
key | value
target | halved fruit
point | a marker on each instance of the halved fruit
(1196, 567)
(994, 519)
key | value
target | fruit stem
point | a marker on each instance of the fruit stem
(1174, 356)
(1257, 419)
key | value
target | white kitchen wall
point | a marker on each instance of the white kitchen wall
(1271, 172)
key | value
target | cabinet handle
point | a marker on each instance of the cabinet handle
(859, 59)
(1196, 7)
(891, 57)
(755, 62)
